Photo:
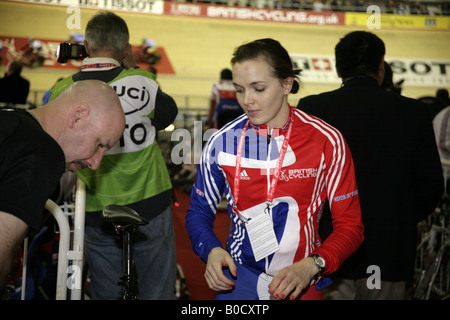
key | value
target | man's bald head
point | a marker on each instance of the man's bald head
(86, 120)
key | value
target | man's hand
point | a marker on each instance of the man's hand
(217, 259)
(290, 281)
(12, 232)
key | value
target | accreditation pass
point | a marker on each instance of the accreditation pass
(262, 236)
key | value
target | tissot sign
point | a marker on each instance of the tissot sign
(422, 72)
(142, 6)
(415, 71)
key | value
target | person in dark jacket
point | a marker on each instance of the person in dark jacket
(397, 166)
(13, 87)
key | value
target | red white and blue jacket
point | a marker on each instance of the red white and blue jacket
(317, 166)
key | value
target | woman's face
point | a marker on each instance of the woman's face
(261, 95)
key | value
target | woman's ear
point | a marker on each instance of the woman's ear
(287, 84)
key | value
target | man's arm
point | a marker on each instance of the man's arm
(343, 198)
(12, 233)
(166, 110)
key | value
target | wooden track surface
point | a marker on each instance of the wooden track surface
(198, 48)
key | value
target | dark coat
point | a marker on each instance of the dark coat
(397, 167)
(14, 89)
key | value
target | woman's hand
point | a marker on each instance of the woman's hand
(216, 279)
(291, 280)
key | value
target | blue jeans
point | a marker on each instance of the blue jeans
(154, 255)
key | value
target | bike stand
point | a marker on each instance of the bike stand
(71, 246)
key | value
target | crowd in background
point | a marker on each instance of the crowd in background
(424, 7)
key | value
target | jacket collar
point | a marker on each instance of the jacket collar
(359, 80)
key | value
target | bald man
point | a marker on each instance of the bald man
(36, 147)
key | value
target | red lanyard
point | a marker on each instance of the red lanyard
(276, 174)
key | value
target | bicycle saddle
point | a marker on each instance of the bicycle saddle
(121, 215)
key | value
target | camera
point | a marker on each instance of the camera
(72, 51)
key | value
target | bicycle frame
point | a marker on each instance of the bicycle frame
(446, 170)
(432, 281)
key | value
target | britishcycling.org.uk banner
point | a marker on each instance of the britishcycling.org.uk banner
(254, 14)
(415, 72)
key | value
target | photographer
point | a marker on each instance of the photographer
(134, 172)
